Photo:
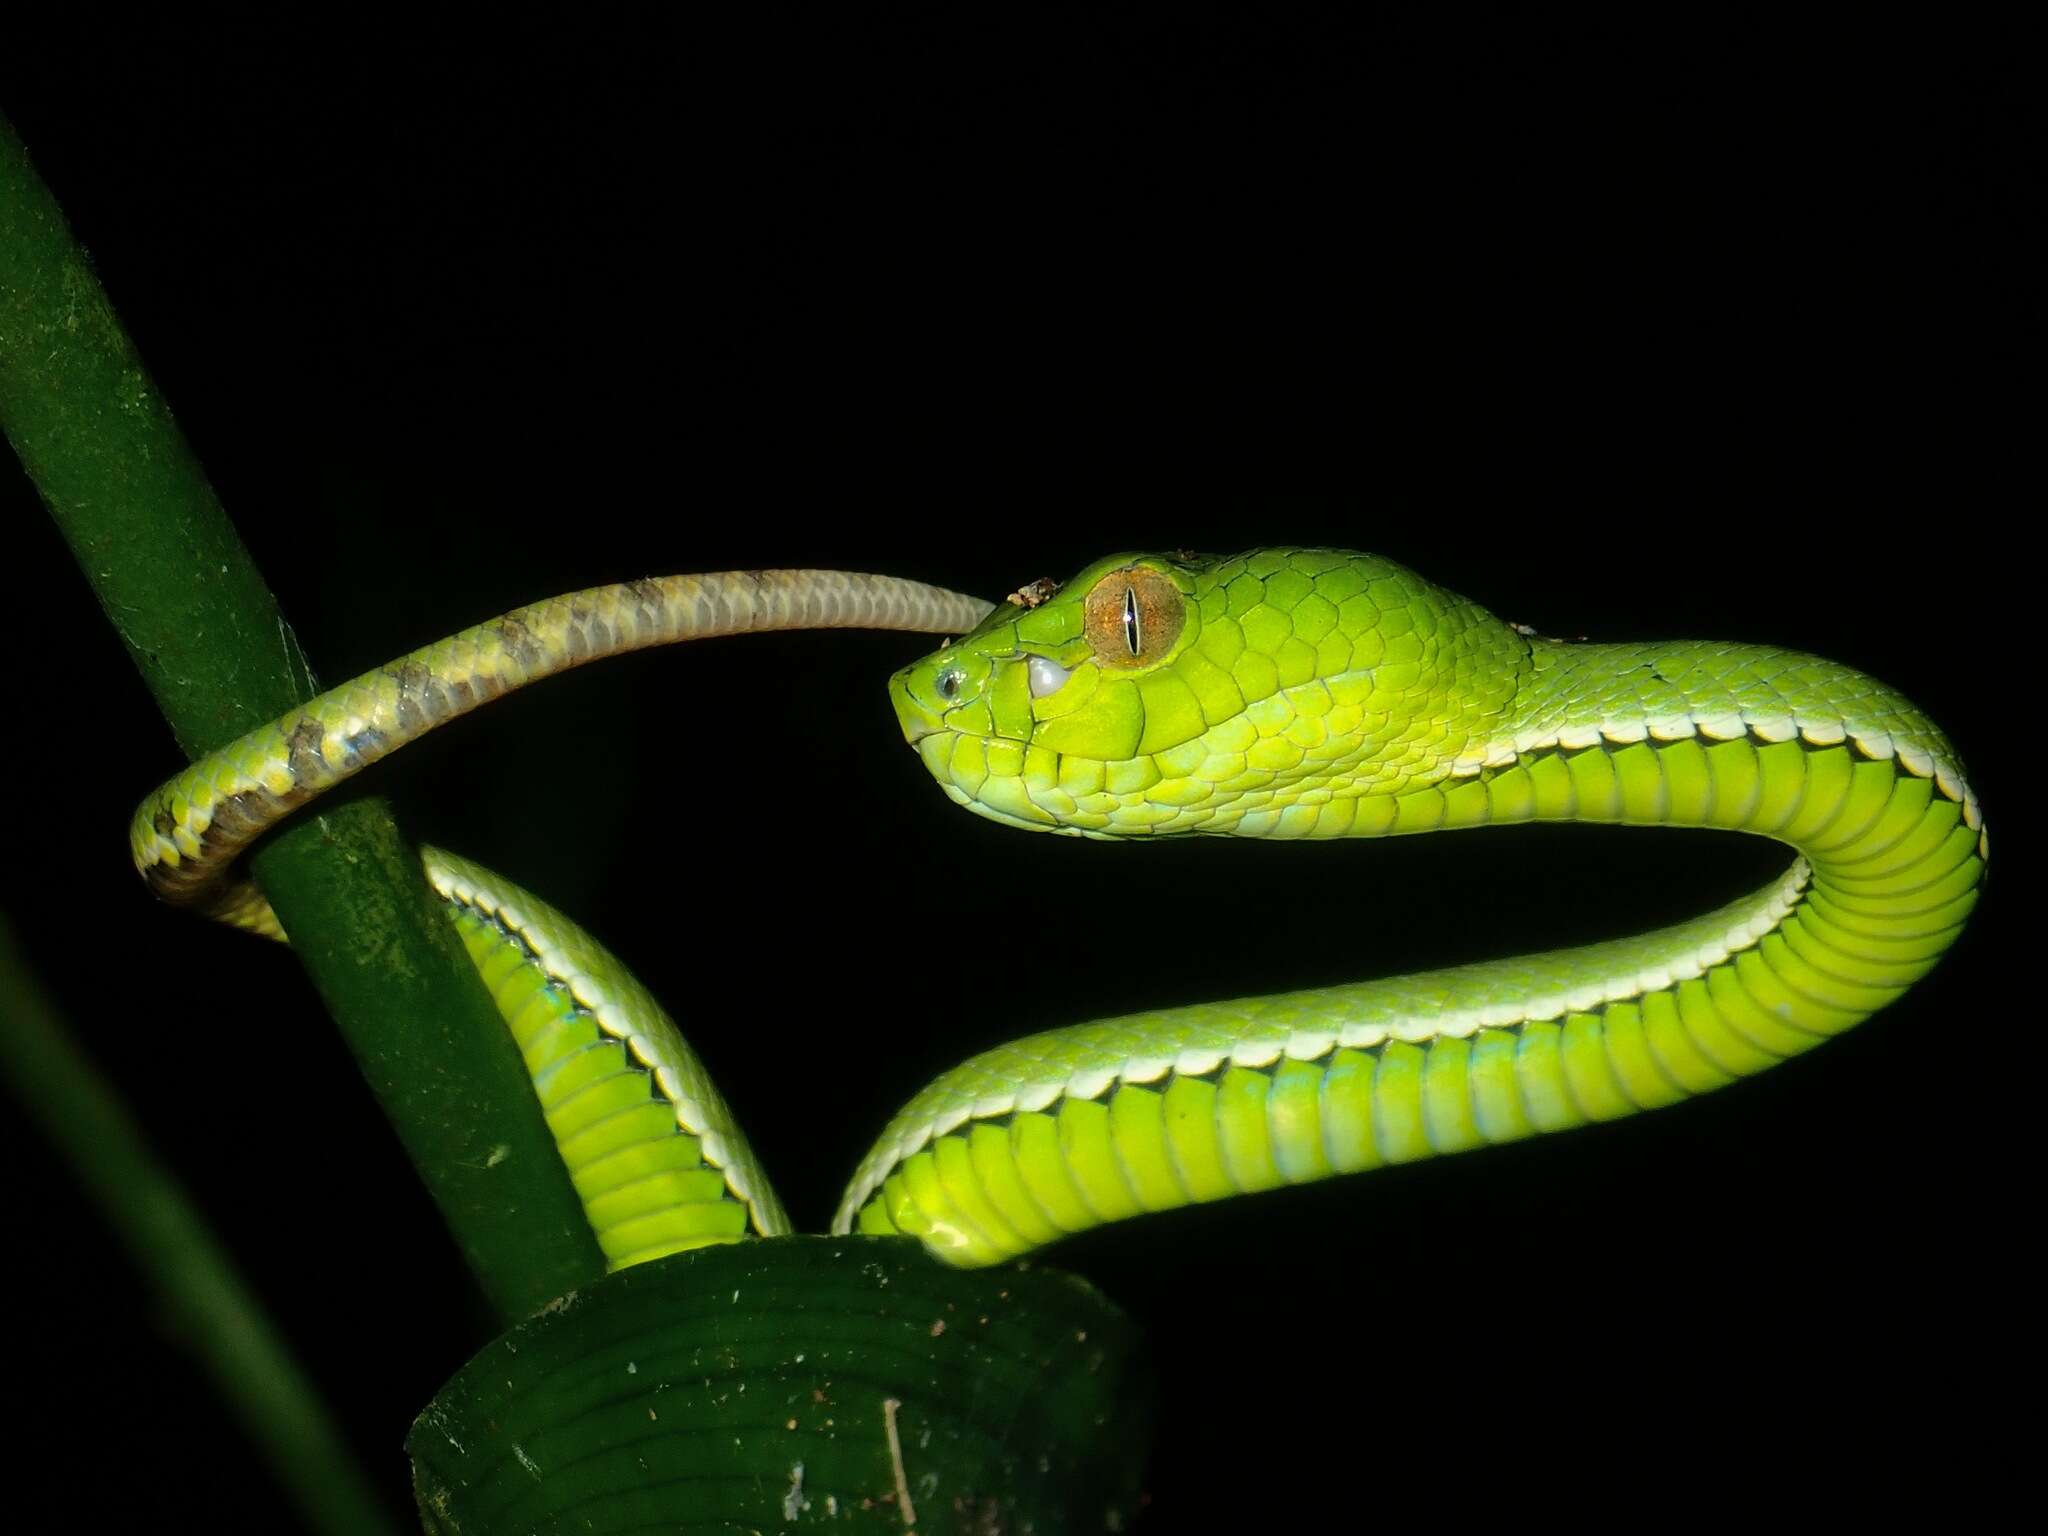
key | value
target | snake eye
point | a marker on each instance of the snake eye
(1133, 616)
(949, 682)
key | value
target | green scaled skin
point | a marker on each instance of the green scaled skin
(1302, 693)
(656, 1157)
(1317, 693)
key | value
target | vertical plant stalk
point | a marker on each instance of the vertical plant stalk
(164, 1234)
(206, 633)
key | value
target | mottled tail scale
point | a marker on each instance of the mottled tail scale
(1291, 693)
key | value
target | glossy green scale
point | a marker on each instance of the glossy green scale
(651, 1148)
(1283, 693)
(1376, 704)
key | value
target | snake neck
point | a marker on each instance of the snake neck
(1692, 733)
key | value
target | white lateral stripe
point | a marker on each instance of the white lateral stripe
(449, 876)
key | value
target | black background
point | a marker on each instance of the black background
(1709, 332)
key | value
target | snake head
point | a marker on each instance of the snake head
(1163, 693)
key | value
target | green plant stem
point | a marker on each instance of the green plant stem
(207, 635)
(150, 1212)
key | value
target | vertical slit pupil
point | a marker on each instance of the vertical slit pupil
(1132, 637)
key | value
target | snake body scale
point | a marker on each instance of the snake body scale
(1284, 693)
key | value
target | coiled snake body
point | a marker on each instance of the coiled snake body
(1292, 693)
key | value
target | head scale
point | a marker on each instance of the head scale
(1166, 693)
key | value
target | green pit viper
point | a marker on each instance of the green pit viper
(1284, 693)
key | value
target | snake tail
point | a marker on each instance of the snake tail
(185, 836)
(1318, 693)
(655, 1155)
